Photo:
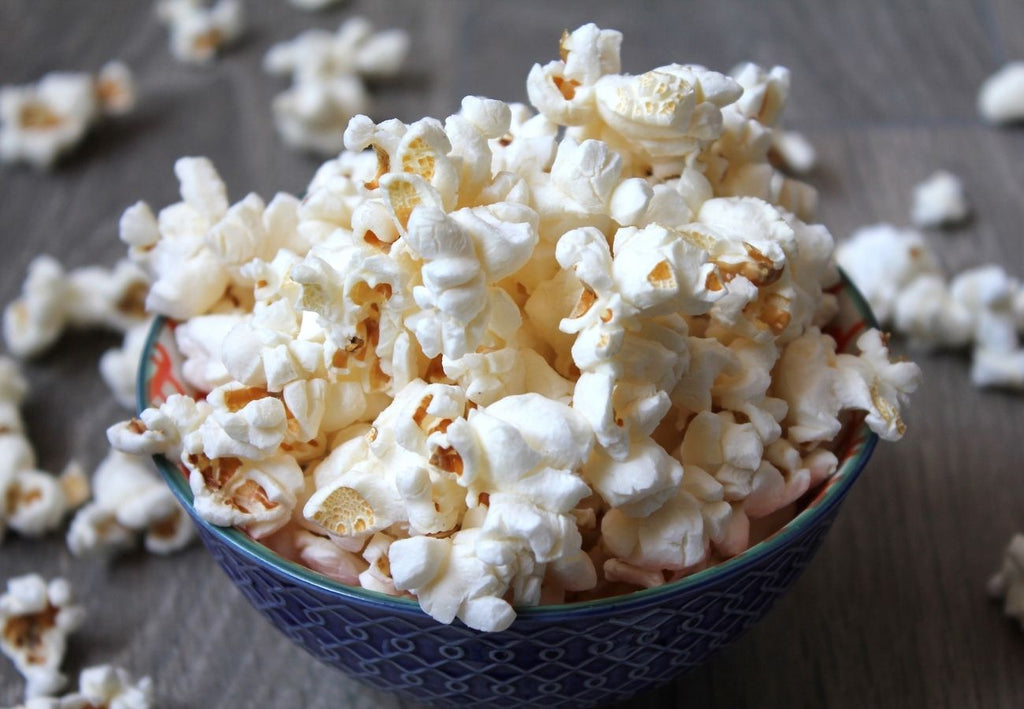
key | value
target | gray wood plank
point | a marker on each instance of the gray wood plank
(892, 611)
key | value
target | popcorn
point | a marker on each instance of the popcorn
(198, 31)
(53, 299)
(119, 367)
(1001, 96)
(101, 687)
(327, 71)
(40, 122)
(36, 617)
(32, 502)
(129, 500)
(511, 358)
(1008, 582)
(882, 260)
(939, 200)
(794, 150)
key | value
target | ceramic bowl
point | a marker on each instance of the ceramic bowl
(573, 655)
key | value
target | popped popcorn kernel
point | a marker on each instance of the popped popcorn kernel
(36, 616)
(198, 30)
(42, 121)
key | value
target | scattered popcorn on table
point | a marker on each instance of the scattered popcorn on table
(40, 122)
(32, 502)
(490, 367)
(53, 299)
(939, 200)
(198, 29)
(100, 687)
(1008, 582)
(327, 71)
(1001, 96)
(36, 617)
(979, 307)
(128, 500)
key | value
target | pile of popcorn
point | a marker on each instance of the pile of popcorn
(514, 358)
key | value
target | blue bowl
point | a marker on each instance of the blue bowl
(573, 655)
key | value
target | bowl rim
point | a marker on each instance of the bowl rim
(831, 492)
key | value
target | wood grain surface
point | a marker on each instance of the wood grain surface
(892, 612)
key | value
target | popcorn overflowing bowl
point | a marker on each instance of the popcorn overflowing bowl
(577, 654)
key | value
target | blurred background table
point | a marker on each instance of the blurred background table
(891, 613)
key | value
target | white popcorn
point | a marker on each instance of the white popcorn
(881, 260)
(327, 72)
(1008, 582)
(930, 316)
(129, 500)
(197, 31)
(36, 617)
(1001, 96)
(450, 581)
(874, 384)
(160, 430)
(638, 485)
(199, 340)
(939, 200)
(52, 299)
(40, 122)
(670, 537)
(257, 496)
(100, 687)
(794, 150)
(119, 367)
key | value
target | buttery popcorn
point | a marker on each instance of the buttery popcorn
(40, 122)
(198, 30)
(36, 617)
(488, 366)
(327, 72)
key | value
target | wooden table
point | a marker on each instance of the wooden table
(892, 612)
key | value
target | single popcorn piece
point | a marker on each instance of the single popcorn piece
(36, 617)
(42, 121)
(794, 150)
(1008, 582)
(882, 260)
(939, 200)
(1001, 96)
(198, 30)
(328, 72)
(128, 500)
(32, 502)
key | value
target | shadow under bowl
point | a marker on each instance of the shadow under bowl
(573, 655)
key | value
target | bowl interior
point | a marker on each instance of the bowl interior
(160, 377)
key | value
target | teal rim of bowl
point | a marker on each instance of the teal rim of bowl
(806, 518)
